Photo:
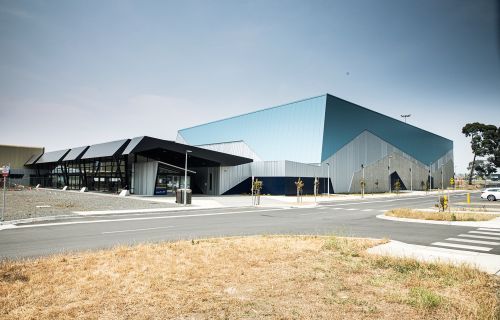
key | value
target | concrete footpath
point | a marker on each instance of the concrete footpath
(489, 263)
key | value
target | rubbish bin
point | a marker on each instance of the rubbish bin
(179, 196)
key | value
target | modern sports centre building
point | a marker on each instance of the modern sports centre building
(322, 137)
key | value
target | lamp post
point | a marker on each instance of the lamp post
(442, 179)
(430, 176)
(405, 116)
(411, 180)
(185, 176)
(328, 181)
(389, 169)
(363, 183)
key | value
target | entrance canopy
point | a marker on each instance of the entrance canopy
(174, 153)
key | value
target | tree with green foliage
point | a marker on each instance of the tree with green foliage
(482, 168)
(485, 140)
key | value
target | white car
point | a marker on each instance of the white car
(492, 194)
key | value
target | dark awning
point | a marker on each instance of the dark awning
(33, 159)
(75, 153)
(53, 156)
(108, 149)
(174, 153)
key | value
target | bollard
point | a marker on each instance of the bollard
(468, 198)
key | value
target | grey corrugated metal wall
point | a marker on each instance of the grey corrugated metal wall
(144, 177)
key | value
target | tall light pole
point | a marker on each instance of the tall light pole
(328, 181)
(185, 176)
(389, 169)
(405, 116)
(411, 180)
(430, 176)
(442, 179)
(363, 186)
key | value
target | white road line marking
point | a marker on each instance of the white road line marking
(148, 218)
(366, 210)
(492, 243)
(337, 208)
(489, 229)
(484, 232)
(382, 210)
(135, 230)
(462, 246)
(479, 237)
(351, 209)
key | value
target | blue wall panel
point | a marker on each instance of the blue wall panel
(289, 132)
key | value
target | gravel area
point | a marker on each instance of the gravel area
(43, 202)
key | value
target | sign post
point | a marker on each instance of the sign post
(5, 174)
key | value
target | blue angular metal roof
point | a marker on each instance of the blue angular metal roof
(344, 121)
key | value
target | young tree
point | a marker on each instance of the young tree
(397, 186)
(257, 186)
(422, 185)
(376, 185)
(299, 184)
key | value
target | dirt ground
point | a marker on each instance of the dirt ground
(45, 202)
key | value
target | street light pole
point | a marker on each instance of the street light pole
(328, 182)
(405, 116)
(363, 186)
(430, 176)
(389, 169)
(411, 180)
(185, 176)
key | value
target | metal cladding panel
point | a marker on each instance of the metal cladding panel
(133, 143)
(75, 153)
(365, 149)
(237, 148)
(53, 156)
(107, 149)
(289, 132)
(345, 120)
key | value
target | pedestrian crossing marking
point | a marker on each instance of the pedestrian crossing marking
(492, 243)
(461, 246)
(479, 237)
(489, 229)
(485, 232)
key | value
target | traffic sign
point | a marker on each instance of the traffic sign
(452, 181)
(5, 171)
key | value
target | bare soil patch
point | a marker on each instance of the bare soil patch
(262, 277)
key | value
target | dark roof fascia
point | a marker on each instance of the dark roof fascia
(149, 143)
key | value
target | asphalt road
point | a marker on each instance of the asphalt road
(347, 218)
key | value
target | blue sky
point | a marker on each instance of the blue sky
(80, 72)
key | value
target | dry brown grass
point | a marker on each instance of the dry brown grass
(440, 216)
(272, 277)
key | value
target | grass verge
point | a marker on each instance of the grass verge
(262, 277)
(440, 216)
